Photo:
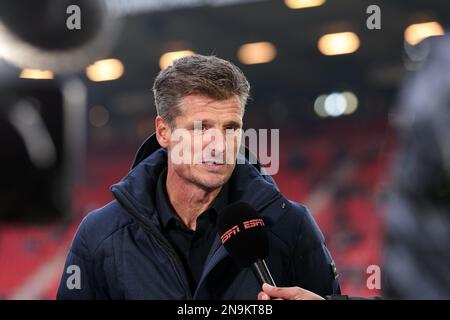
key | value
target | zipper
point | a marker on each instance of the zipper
(172, 255)
(166, 247)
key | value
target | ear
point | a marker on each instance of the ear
(163, 132)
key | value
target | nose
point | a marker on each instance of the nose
(219, 144)
(216, 143)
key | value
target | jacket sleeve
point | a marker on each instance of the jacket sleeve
(79, 280)
(313, 267)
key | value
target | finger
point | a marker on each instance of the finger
(291, 293)
(284, 293)
(263, 296)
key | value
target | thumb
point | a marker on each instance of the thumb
(290, 293)
(263, 296)
(268, 288)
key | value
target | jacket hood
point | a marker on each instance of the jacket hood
(135, 192)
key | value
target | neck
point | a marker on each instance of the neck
(188, 199)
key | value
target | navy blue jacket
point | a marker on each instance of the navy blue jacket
(120, 253)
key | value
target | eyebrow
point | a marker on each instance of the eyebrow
(231, 123)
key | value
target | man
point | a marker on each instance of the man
(157, 239)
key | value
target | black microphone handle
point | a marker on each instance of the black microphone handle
(262, 273)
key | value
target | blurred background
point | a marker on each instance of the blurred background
(75, 104)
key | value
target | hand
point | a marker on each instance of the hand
(290, 293)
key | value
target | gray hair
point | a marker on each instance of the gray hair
(197, 74)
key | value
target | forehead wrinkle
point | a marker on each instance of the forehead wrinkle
(203, 105)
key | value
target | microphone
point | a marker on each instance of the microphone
(245, 238)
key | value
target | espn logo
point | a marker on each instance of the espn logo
(253, 223)
(235, 229)
(229, 233)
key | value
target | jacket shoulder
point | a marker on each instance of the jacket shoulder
(311, 236)
(97, 226)
(297, 227)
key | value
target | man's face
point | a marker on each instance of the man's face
(205, 125)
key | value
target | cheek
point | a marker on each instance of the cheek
(183, 170)
(184, 148)
(198, 144)
(233, 142)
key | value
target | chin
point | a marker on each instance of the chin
(213, 183)
(211, 180)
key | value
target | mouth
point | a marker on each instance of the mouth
(213, 162)
(213, 165)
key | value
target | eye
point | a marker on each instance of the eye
(203, 127)
(232, 127)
